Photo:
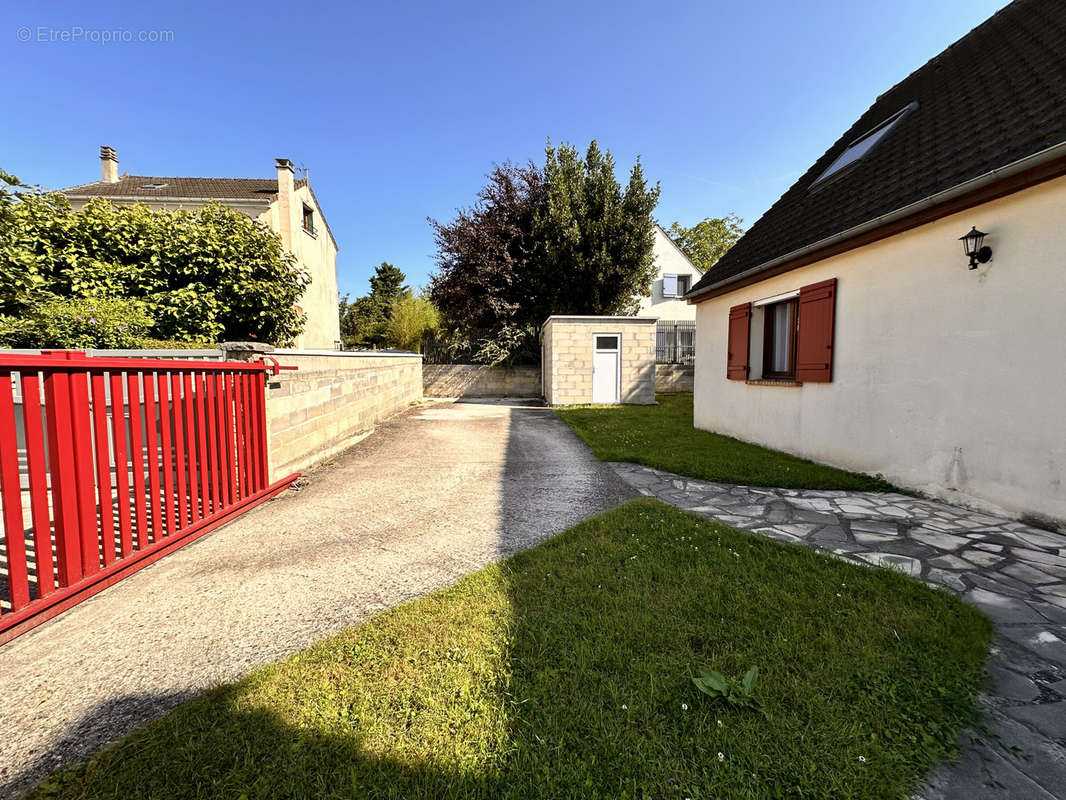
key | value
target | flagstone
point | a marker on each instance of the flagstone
(938, 539)
(950, 562)
(981, 559)
(1027, 574)
(905, 564)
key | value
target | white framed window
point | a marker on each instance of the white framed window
(676, 285)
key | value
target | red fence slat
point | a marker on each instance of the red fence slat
(61, 467)
(166, 461)
(103, 467)
(201, 444)
(190, 449)
(211, 423)
(14, 533)
(81, 430)
(122, 475)
(136, 409)
(220, 426)
(38, 484)
(246, 430)
(231, 438)
(238, 421)
(179, 448)
(151, 446)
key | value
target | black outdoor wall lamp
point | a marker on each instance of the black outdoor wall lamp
(971, 245)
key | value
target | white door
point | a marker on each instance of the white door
(606, 356)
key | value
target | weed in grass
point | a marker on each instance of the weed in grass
(737, 693)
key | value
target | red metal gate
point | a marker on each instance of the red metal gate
(108, 464)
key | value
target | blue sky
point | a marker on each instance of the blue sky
(399, 109)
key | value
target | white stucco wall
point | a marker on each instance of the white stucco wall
(945, 380)
(318, 255)
(668, 260)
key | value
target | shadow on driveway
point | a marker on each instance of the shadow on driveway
(435, 493)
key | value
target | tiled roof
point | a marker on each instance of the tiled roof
(218, 188)
(252, 189)
(995, 96)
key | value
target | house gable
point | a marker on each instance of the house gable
(982, 119)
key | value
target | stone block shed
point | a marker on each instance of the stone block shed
(598, 360)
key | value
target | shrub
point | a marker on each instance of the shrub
(411, 319)
(211, 273)
(510, 346)
(78, 324)
(174, 344)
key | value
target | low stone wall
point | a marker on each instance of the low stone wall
(674, 378)
(332, 400)
(474, 380)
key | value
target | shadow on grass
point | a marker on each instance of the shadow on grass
(565, 671)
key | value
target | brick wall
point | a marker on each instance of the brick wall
(332, 401)
(474, 380)
(674, 378)
(568, 358)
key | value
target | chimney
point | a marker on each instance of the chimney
(108, 164)
(285, 201)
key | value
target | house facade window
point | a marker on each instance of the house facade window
(787, 338)
(779, 340)
(676, 285)
(309, 220)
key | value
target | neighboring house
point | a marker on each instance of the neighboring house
(848, 326)
(286, 205)
(675, 275)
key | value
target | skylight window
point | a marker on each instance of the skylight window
(865, 143)
(153, 186)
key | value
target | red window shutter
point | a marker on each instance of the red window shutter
(814, 342)
(739, 330)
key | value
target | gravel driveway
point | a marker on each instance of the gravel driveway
(435, 493)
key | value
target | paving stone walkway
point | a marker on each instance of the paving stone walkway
(1015, 573)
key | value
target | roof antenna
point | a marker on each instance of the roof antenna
(304, 173)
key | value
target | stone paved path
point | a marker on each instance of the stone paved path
(1015, 573)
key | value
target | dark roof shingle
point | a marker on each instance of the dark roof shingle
(995, 96)
(218, 188)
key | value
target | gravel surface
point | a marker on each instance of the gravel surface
(433, 494)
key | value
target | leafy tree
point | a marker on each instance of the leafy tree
(708, 240)
(594, 238)
(483, 254)
(202, 275)
(387, 284)
(364, 321)
(410, 320)
(568, 239)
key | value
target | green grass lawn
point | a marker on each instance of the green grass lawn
(566, 671)
(662, 436)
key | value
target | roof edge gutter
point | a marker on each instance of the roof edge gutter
(1000, 173)
(168, 198)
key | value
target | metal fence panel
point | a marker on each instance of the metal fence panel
(675, 341)
(115, 462)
